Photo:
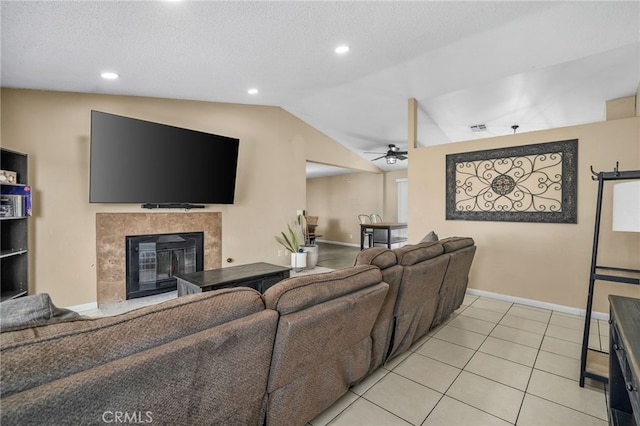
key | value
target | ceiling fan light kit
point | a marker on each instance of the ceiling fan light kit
(392, 155)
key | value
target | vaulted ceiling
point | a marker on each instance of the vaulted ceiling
(537, 65)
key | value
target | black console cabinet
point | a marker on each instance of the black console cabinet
(259, 276)
(624, 361)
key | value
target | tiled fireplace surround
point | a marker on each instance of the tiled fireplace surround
(112, 228)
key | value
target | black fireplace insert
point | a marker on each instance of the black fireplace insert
(154, 260)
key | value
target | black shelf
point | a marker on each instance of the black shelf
(589, 368)
(14, 255)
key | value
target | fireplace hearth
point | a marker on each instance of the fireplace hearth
(153, 261)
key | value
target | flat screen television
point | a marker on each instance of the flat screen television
(137, 161)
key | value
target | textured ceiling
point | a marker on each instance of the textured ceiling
(536, 64)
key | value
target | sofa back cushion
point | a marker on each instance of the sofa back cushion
(415, 253)
(65, 348)
(456, 243)
(460, 251)
(215, 376)
(386, 260)
(323, 342)
(381, 257)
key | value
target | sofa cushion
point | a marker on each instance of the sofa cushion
(456, 243)
(381, 257)
(66, 348)
(323, 339)
(294, 294)
(30, 311)
(430, 237)
(412, 254)
(216, 377)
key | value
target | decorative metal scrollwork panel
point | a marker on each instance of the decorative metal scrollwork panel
(531, 183)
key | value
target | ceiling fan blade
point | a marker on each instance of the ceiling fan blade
(379, 158)
(401, 157)
(402, 152)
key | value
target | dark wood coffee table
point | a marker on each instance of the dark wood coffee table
(259, 276)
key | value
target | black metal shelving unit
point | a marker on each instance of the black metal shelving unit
(14, 269)
(595, 364)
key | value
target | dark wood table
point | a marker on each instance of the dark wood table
(624, 361)
(259, 276)
(388, 226)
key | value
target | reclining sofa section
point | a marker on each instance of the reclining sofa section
(233, 356)
(427, 282)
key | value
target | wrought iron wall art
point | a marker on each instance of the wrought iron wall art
(531, 183)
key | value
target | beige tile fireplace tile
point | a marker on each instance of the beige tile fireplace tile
(112, 228)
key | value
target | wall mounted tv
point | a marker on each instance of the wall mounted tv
(137, 161)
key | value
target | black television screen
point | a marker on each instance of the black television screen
(137, 161)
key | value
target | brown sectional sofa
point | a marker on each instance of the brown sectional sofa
(233, 356)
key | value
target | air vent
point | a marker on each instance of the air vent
(479, 128)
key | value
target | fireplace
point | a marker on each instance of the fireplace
(154, 260)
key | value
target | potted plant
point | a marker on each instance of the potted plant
(291, 243)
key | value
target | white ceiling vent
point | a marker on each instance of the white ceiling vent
(478, 128)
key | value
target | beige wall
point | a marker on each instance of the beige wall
(544, 262)
(54, 129)
(338, 200)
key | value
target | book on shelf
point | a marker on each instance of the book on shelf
(15, 201)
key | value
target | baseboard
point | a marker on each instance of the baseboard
(340, 243)
(539, 304)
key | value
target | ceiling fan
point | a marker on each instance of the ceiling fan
(392, 155)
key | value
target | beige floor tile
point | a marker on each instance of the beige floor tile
(461, 337)
(365, 413)
(537, 411)
(508, 350)
(523, 324)
(500, 370)
(570, 321)
(403, 397)
(330, 413)
(446, 352)
(561, 347)
(486, 395)
(482, 314)
(421, 341)
(558, 364)
(594, 341)
(450, 412)
(395, 361)
(469, 299)
(535, 314)
(604, 328)
(565, 333)
(532, 308)
(373, 378)
(568, 393)
(472, 324)
(514, 335)
(492, 305)
(428, 372)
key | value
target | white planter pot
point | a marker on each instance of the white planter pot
(312, 256)
(298, 261)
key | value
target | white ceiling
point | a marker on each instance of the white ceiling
(536, 64)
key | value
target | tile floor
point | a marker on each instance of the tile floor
(491, 363)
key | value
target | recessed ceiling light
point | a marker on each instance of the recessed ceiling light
(252, 91)
(342, 49)
(109, 75)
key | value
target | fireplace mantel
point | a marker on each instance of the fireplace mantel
(111, 232)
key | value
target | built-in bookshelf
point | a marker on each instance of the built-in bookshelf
(15, 209)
